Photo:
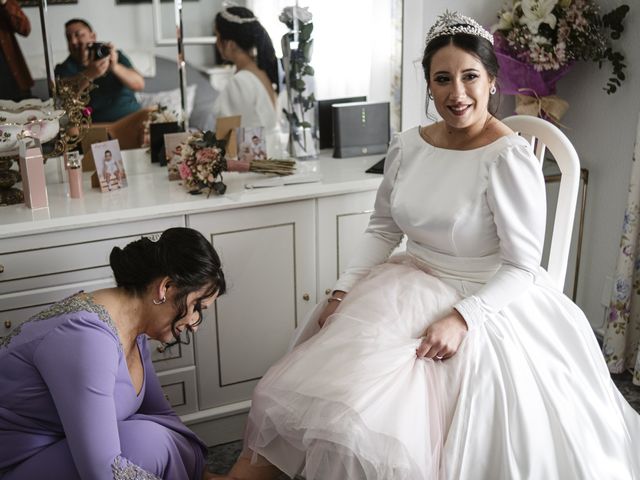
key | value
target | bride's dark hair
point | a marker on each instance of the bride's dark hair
(249, 36)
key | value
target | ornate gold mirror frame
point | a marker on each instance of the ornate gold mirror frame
(67, 96)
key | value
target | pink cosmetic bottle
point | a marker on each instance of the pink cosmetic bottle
(74, 168)
(75, 182)
(33, 179)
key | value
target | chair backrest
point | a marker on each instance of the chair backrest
(543, 135)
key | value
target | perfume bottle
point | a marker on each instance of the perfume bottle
(32, 169)
(74, 168)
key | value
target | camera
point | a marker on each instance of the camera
(98, 50)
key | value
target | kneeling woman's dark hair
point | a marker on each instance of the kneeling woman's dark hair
(182, 254)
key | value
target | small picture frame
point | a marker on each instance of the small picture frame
(91, 136)
(157, 132)
(226, 130)
(251, 144)
(173, 144)
(109, 167)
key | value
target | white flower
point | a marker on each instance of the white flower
(535, 12)
(504, 23)
(540, 40)
(303, 15)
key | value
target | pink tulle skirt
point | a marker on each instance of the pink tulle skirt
(526, 396)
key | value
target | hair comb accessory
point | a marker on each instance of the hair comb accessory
(450, 23)
(230, 17)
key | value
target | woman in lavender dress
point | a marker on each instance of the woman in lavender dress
(78, 394)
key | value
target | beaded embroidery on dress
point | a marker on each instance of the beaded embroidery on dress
(123, 469)
(77, 302)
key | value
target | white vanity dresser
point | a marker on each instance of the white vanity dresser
(281, 247)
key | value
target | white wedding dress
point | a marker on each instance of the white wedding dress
(527, 396)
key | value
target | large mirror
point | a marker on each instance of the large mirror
(351, 57)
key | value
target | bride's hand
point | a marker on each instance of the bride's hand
(330, 308)
(442, 338)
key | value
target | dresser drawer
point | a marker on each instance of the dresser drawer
(169, 358)
(179, 388)
(17, 308)
(71, 256)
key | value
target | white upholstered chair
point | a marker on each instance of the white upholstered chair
(543, 135)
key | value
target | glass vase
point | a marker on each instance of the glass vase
(300, 102)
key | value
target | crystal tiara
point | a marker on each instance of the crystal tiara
(450, 23)
(230, 17)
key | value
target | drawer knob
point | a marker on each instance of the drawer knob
(327, 291)
(306, 297)
(1, 268)
(7, 324)
(161, 348)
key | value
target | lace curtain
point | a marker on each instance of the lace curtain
(622, 325)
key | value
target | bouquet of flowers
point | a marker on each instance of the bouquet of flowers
(203, 161)
(537, 41)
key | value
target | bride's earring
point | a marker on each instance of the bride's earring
(493, 90)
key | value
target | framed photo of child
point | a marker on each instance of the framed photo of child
(109, 166)
(173, 143)
(251, 144)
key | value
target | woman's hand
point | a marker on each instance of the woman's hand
(442, 339)
(331, 307)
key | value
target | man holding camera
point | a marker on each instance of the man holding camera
(101, 64)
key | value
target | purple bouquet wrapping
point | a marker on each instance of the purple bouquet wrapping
(520, 78)
(534, 89)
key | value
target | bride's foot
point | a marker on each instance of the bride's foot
(207, 475)
(243, 470)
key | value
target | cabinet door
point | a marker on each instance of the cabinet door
(179, 387)
(268, 257)
(341, 221)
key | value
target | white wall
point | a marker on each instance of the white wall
(127, 26)
(602, 128)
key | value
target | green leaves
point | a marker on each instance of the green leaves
(616, 59)
(613, 20)
(298, 85)
(209, 138)
(305, 32)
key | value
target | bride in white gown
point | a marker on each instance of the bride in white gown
(460, 359)
(252, 92)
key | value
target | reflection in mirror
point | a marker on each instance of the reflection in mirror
(368, 60)
(46, 46)
(130, 27)
(357, 47)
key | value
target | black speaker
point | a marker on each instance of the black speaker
(361, 128)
